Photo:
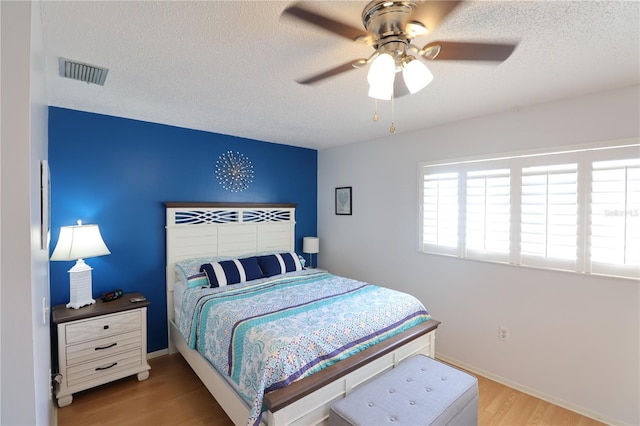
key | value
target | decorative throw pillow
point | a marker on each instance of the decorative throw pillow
(198, 280)
(251, 267)
(233, 271)
(279, 263)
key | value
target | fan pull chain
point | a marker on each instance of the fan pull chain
(392, 129)
(375, 114)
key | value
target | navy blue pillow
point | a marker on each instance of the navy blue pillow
(251, 268)
(270, 265)
(275, 264)
(229, 272)
(291, 262)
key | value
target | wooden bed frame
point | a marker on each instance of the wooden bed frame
(223, 229)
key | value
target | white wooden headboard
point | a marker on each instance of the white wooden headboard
(224, 229)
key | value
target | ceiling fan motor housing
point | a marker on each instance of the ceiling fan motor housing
(387, 21)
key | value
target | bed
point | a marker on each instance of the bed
(216, 234)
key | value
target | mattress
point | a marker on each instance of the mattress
(267, 334)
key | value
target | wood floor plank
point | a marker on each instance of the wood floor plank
(174, 396)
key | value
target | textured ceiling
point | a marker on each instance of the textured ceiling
(230, 67)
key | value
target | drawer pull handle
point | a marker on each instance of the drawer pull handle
(106, 327)
(99, 348)
(106, 368)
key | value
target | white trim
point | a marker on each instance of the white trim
(157, 354)
(565, 149)
(530, 391)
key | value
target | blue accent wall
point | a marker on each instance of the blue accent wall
(118, 173)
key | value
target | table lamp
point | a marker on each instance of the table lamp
(77, 243)
(310, 245)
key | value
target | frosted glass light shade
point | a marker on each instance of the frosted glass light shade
(382, 70)
(382, 92)
(79, 242)
(416, 75)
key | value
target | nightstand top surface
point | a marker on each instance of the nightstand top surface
(62, 314)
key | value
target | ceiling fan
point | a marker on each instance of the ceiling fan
(390, 27)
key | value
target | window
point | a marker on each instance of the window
(440, 212)
(488, 213)
(549, 214)
(615, 215)
(575, 210)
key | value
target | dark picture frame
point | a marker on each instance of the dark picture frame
(343, 200)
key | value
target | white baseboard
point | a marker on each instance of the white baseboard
(530, 391)
(156, 354)
(53, 413)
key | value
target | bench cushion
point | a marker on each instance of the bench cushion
(419, 391)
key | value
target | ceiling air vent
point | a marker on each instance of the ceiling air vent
(83, 72)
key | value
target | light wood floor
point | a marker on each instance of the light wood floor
(173, 395)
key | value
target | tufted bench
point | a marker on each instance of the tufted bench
(419, 391)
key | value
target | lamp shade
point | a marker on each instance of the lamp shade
(382, 91)
(416, 75)
(79, 242)
(311, 245)
(382, 70)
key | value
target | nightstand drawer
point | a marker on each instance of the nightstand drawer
(103, 347)
(100, 369)
(106, 325)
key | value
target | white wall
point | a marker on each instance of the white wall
(24, 277)
(574, 339)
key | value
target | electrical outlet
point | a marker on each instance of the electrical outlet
(503, 333)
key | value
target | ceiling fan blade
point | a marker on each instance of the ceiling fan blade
(464, 51)
(432, 13)
(325, 23)
(332, 72)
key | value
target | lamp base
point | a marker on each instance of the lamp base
(80, 288)
(80, 304)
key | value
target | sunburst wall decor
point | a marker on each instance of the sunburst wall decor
(234, 171)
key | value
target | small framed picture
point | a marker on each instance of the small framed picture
(343, 200)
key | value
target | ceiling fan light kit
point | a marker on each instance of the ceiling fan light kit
(416, 75)
(391, 26)
(384, 92)
(382, 69)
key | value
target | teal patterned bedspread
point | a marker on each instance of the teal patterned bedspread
(268, 333)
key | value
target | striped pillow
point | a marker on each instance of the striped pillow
(233, 271)
(198, 280)
(279, 263)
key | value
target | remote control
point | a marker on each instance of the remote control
(112, 295)
(137, 299)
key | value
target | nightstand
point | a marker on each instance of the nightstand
(100, 343)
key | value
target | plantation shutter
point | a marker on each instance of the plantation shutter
(440, 211)
(574, 209)
(488, 214)
(549, 218)
(615, 217)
